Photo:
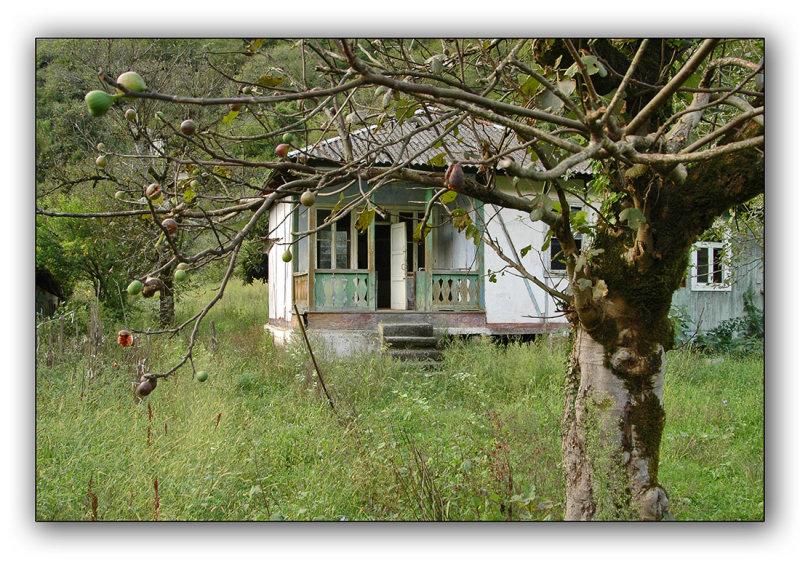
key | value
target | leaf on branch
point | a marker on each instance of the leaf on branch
(270, 81)
(404, 109)
(583, 284)
(448, 197)
(365, 220)
(421, 231)
(440, 160)
(189, 195)
(599, 290)
(547, 239)
(529, 87)
(633, 216)
(542, 204)
(461, 219)
(230, 116)
(525, 250)
(473, 233)
(593, 66)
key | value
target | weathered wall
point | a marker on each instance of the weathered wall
(280, 273)
(513, 299)
(711, 308)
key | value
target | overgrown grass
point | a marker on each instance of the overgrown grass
(477, 439)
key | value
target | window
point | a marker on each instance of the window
(708, 269)
(557, 262)
(333, 242)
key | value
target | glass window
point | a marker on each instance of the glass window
(324, 241)
(708, 268)
(333, 242)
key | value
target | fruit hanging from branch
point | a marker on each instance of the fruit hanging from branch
(454, 177)
(135, 287)
(98, 102)
(308, 198)
(170, 225)
(130, 114)
(151, 286)
(124, 338)
(101, 161)
(147, 383)
(132, 81)
(282, 150)
(188, 127)
(180, 275)
(202, 376)
(287, 256)
(153, 192)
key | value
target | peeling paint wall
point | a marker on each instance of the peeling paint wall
(711, 308)
(280, 273)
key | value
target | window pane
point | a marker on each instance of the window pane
(557, 262)
(342, 250)
(702, 265)
(363, 253)
(717, 265)
(556, 256)
(323, 254)
(343, 242)
(324, 237)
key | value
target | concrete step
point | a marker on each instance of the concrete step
(411, 341)
(416, 354)
(405, 329)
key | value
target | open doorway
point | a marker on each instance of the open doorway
(383, 264)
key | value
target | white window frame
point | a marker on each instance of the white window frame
(697, 284)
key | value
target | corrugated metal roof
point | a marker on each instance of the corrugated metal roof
(394, 142)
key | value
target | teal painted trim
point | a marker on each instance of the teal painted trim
(342, 290)
(426, 306)
(455, 290)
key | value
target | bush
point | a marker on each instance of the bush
(743, 335)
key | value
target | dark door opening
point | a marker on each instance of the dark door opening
(383, 265)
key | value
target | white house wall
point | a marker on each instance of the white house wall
(513, 299)
(280, 273)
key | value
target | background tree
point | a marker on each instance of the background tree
(674, 129)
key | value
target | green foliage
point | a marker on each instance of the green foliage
(742, 335)
(477, 439)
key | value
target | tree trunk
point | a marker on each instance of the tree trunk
(611, 432)
(166, 305)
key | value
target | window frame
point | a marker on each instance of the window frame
(352, 247)
(579, 241)
(698, 285)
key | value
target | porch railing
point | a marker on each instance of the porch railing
(454, 290)
(342, 289)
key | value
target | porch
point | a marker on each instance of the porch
(356, 290)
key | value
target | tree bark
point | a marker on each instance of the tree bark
(611, 432)
(166, 304)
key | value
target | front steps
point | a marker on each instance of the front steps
(410, 341)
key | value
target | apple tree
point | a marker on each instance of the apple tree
(673, 129)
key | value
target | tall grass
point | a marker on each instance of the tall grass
(476, 439)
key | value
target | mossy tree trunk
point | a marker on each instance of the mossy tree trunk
(612, 425)
(614, 416)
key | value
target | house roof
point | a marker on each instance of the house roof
(396, 141)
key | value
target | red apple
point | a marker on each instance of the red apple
(282, 150)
